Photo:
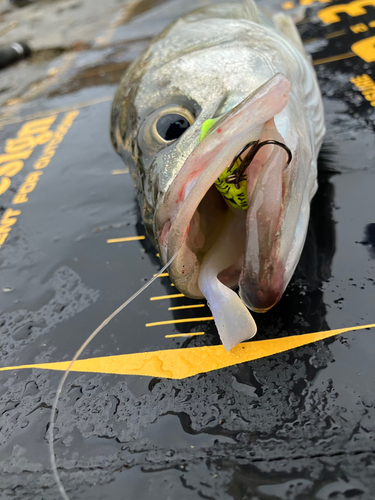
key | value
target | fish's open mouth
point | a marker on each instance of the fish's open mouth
(220, 245)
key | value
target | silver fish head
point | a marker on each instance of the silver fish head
(259, 87)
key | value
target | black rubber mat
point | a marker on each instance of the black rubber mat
(170, 422)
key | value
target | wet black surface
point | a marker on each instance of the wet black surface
(296, 425)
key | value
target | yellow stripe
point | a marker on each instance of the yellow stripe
(185, 320)
(193, 306)
(162, 297)
(129, 238)
(334, 34)
(186, 362)
(162, 275)
(184, 335)
(333, 58)
(9, 27)
(310, 40)
(118, 172)
(303, 21)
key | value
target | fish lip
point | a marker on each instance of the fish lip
(261, 297)
(262, 281)
(184, 271)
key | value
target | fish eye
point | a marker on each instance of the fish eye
(163, 126)
(171, 126)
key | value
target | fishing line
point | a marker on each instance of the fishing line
(76, 356)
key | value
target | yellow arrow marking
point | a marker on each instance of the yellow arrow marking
(183, 363)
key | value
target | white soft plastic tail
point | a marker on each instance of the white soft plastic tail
(232, 318)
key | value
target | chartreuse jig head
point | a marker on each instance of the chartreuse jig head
(234, 194)
(232, 183)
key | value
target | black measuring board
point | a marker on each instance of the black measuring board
(295, 425)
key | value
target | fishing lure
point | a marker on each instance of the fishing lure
(232, 183)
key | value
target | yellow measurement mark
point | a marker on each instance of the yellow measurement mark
(185, 320)
(335, 34)
(121, 18)
(162, 297)
(118, 172)
(340, 57)
(183, 335)
(193, 306)
(310, 40)
(9, 27)
(303, 21)
(129, 238)
(162, 275)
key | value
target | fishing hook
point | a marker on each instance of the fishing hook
(255, 146)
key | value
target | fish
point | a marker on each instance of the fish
(220, 122)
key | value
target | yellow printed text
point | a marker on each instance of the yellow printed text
(365, 49)
(330, 15)
(26, 187)
(49, 150)
(31, 135)
(359, 28)
(366, 85)
(8, 219)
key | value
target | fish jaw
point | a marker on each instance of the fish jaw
(263, 276)
(176, 217)
(277, 221)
